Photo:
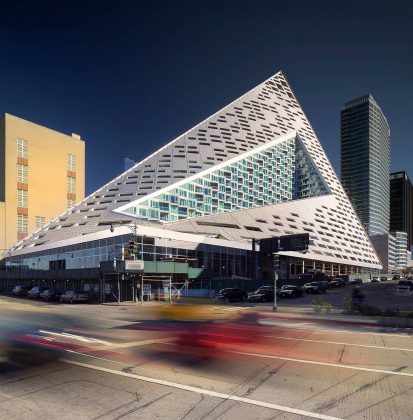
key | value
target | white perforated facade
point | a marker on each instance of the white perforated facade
(254, 169)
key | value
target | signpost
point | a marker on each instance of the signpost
(274, 245)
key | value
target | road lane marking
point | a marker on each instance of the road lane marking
(205, 391)
(76, 337)
(313, 362)
(338, 343)
(140, 343)
(94, 357)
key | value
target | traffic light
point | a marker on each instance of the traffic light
(132, 248)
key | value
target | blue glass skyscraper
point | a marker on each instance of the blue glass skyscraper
(365, 162)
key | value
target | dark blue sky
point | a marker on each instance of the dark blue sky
(129, 76)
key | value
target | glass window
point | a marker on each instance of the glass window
(22, 173)
(40, 222)
(22, 148)
(71, 185)
(71, 163)
(22, 198)
(22, 223)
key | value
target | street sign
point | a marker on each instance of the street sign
(297, 242)
(134, 266)
(269, 245)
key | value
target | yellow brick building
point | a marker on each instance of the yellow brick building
(42, 173)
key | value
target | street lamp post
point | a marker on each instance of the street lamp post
(276, 264)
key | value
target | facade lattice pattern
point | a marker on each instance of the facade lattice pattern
(258, 119)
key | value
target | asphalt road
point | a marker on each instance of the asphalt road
(128, 367)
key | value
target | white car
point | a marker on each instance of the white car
(71, 296)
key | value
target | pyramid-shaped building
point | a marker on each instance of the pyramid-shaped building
(254, 169)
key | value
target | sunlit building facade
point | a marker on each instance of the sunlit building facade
(42, 174)
(254, 169)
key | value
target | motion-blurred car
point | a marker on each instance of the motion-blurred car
(396, 277)
(71, 296)
(50, 294)
(374, 280)
(290, 291)
(234, 294)
(262, 294)
(30, 342)
(356, 281)
(383, 278)
(315, 287)
(35, 291)
(20, 290)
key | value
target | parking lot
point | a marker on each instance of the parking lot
(382, 295)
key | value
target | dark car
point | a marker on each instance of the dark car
(20, 290)
(375, 280)
(50, 294)
(35, 291)
(383, 278)
(355, 281)
(315, 287)
(290, 291)
(405, 285)
(337, 282)
(262, 294)
(396, 277)
(71, 296)
(234, 294)
(326, 284)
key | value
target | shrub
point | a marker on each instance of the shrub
(370, 310)
(391, 312)
(321, 306)
(348, 305)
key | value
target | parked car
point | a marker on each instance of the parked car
(262, 294)
(356, 281)
(50, 294)
(405, 285)
(383, 278)
(396, 277)
(375, 280)
(337, 282)
(326, 284)
(290, 291)
(20, 290)
(71, 296)
(315, 287)
(234, 294)
(35, 291)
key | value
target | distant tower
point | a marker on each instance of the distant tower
(128, 163)
(401, 204)
(365, 162)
